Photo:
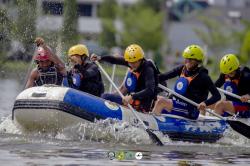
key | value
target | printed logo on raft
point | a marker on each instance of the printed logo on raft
(111, 105)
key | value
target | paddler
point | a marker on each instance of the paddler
(140, 85)
(236, 79)
(49, 70)
(193, 83)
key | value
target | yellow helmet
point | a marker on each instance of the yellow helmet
(78, 49)
(133, 53)
(193, 52)
(229, 63)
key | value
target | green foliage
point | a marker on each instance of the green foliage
(25, 29)
(5, 33)
(216, 38)
(158, 60)
(50, 37)
(143, 26)
(245, 48)
(108, 9)
(107, 13)
(14, 66)
(159, 6)
(107, 36)
(69, 31)
(243, 39)
(156, 5)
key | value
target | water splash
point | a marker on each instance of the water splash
(231, 137)
(105, 131)
(7, 126)
(113, 131)
(109, 130)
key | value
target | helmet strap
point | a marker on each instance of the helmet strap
(84, 59)
(237, 74)
(141, 63)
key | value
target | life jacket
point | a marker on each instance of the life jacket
(48, 76)
(131, 83)
(231, 85)
(181, 85)
(72, 80)
(75, 79)
(93, 85)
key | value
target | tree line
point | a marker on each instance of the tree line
(143, 23)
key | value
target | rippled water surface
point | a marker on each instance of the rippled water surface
(94, 144)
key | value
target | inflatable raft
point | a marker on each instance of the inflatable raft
(52, 108)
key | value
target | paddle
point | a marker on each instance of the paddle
(238, 126)
(230, 94)
(153, 137)
(112, 77)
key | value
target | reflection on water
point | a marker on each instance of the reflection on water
(76, 146)
(35, 150)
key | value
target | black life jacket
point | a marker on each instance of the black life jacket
(93, 85)
(48, 76)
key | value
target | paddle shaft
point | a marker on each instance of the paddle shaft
(112, 77)
(188, 100)
(230, 94)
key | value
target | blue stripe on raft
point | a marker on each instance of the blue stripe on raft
(90, 103)
(195, 127)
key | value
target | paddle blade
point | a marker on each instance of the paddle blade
(240, 127)
(154, 138)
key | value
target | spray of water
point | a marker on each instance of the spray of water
(106, 131)
(109, 130)
(112, 131)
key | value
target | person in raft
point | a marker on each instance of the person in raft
(236, 79)
(193, 83)
(140, 84)
(50, 69)
(84, 75)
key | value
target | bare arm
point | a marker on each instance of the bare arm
(53, 57)
(31, 79)
(57, 61)
(123, 89)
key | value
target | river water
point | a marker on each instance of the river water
(74, 147)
